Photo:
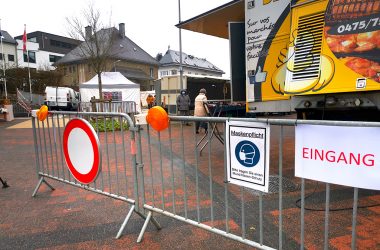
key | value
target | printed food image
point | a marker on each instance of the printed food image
(350, 43)
(365, 67)
(352, 32)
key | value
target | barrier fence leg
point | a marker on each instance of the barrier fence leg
(125, 222)
(147, 219)
(42, 179)
(144, 227)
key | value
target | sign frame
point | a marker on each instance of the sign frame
(85, 126)
(247, 162)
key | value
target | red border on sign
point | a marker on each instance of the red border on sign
(87, 128)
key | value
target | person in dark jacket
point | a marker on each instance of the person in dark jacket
(183, 104)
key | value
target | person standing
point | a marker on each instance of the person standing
(183, 104)
(150, 101)
(200, 109)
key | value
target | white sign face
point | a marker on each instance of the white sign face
(247, 147)
(347, 156)
(261, 17)
(81, 149)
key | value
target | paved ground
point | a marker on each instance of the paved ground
(72, 218)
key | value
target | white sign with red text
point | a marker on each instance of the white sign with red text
(347, 156)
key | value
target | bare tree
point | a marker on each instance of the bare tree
(98, 40)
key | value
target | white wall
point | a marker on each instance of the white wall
(186, 71)
(42, 57)
(8, 49)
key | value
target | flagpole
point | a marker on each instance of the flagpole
(180, 47)
(27, 55)
(3, 57)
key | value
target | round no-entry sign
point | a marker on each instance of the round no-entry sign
(82, 150)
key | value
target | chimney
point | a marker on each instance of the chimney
(122, 29)
(88, 32)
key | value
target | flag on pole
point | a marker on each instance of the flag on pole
(24, 40)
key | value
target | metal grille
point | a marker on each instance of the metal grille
(308, 47)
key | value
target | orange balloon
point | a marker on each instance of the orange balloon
(42, 113)
(158, 118)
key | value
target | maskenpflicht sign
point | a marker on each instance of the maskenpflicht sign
(347, 156)
(247, 147)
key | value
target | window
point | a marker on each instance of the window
(174, 72)
(164, 73)
(1, 56)
(32, 39)
(11, 58)
(189, 72)
(151, 72)
(61, 44)
(54, 58)
(32, 57)
(70, 70)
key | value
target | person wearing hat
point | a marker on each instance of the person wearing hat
(183, 104)
(200, 109)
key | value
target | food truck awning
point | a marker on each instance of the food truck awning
(215, 22)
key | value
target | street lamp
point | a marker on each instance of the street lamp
(114, 64)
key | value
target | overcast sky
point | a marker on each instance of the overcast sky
(149, 23)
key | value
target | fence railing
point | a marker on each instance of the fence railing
(127, 107)
(171, 178)
(116, 133)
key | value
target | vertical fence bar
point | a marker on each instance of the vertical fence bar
(196, 174)
(51, 147)
(101, 172)
(116, 166)
(150, 162)
(46, 155)
(210, 173)
(42, 167)
(302, 213)
(226, 185)
(121, 120)
(162, 173)
(184, 171)
(64, 125)
(280, 188)
(354, 218)
(35, 145)
(327, 211)
(171, 167)
(60, 147)
(261, 217)
(108, 155)
(140, 169)
(55, 145)
(242, 213)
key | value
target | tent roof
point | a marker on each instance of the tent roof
(110, 80)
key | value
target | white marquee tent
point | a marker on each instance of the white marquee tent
(115, 86)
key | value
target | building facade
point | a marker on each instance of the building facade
(44, 49)
(191, 65)
(125, 57)
(8, 51)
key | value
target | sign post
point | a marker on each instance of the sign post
(247, 148)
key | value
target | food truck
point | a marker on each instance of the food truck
(318, 58)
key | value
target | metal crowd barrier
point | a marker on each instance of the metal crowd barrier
(171, 178)
(117, 178)
(182, 184)
(128, 107)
